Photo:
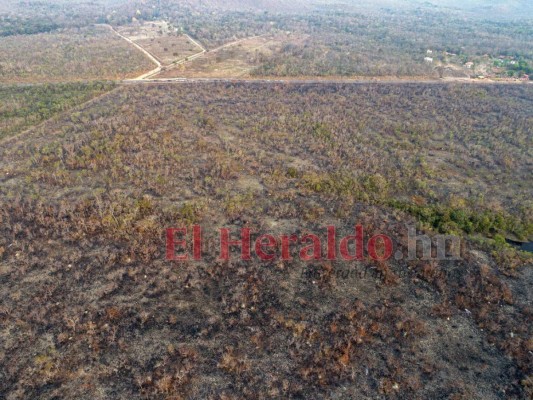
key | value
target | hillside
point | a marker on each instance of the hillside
(272, 199)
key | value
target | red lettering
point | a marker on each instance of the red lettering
(313, 251)
(244, 243)
(270, 243)
(172, 242)
(387, 248)
(358, 238)
(285, 246)
(332, 243)
(197, 242)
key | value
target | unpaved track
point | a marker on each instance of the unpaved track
(154, 59)
(384, 80)
(159, 69)
(147, 53)
(196, 43)
(204, 51)
(236, 42)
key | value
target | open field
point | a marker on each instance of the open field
(161, 40)
(169, 49)
(92, 310)
(232, 60)
(92, 53)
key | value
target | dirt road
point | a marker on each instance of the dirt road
(148, 54)
(193, 57)
(148, 75)
(237, 42)
(362, 80)
(155, 60)
(196, 43)
(204, 51)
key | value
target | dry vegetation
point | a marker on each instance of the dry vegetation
(90, 309)
(395, 44)
(92, 53)
(91, 175)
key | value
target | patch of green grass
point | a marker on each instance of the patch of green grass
(24, 106)
(445, 219)
(322, 132)
(334, 184)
